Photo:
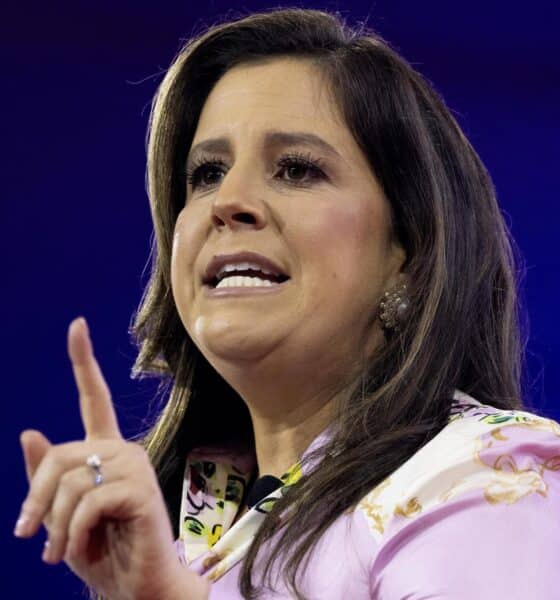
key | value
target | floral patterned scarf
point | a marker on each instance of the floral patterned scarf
(214, 487)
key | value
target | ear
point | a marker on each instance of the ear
(396, 260)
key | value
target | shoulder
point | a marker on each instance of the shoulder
(485, 492)
(503, 456)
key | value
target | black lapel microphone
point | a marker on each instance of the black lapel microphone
(261, 488)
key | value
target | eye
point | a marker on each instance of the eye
(206, 173)
(299, 168)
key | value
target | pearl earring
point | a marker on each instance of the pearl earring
(394, 307)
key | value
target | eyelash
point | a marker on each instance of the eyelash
(293, 159)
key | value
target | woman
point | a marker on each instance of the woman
(333, 300)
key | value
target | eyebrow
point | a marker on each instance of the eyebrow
(222, 145)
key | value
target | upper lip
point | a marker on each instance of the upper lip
(220, 260)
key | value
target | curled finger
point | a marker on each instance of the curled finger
(73, 485)
(112, 500)
(43, 486)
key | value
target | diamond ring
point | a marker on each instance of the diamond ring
(94, 462)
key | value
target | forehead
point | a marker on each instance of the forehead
(282, 93)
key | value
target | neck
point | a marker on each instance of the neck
(280, 442)
(289, 408)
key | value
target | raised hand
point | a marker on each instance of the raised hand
(108, 523)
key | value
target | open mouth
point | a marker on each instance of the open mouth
(244, 269)
(245, 278)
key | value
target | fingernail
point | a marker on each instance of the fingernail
(83, 323)
(46, 556)
(22, 526)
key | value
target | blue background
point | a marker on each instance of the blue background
(78, 78)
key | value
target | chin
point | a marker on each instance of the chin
(220, 339)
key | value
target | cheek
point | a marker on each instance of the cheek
(183, 254)
(176, 260)
(347, 241)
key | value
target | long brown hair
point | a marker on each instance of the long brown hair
(464, 330)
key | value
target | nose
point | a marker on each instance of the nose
(238, 202)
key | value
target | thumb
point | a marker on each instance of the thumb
(34, 445)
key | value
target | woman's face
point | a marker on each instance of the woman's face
(274, 171)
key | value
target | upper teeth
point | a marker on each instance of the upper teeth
(243, 266)
(238, 281)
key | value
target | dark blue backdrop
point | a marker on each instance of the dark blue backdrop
(78, 78)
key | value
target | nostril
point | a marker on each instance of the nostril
(245, 218)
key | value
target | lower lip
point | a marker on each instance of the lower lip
(245, 290)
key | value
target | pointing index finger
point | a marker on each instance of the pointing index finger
(96, 407)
